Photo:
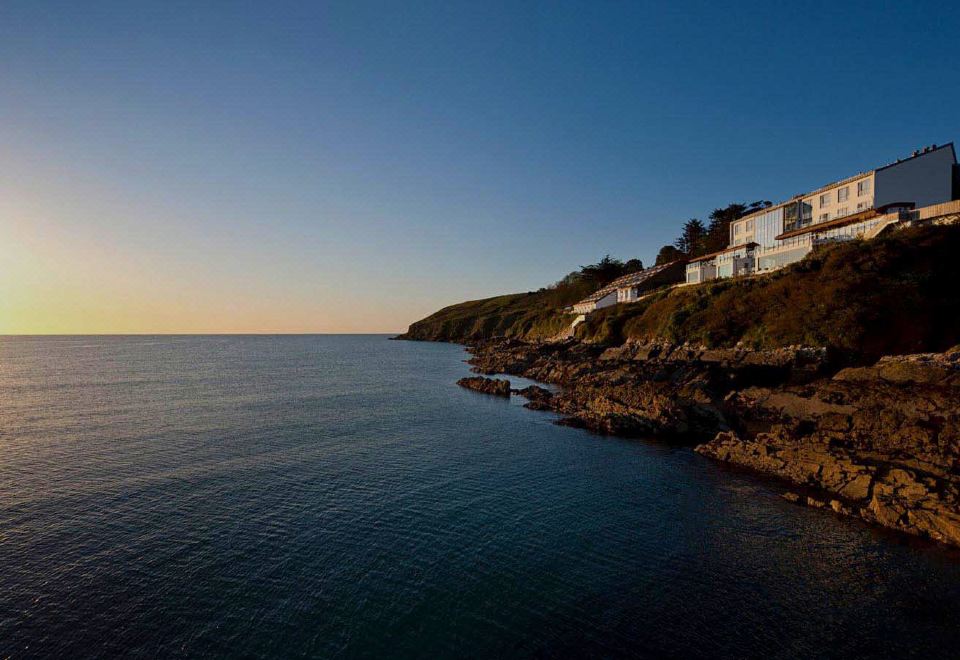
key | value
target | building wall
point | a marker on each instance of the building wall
(742, 231)
(925, 180)
(779, 257)
(758, 228)
(607, 300)
(701, 271)
(847, 198)
(767, 226)
(735, 262)
(827, 204)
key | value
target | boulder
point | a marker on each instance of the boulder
(494, 386)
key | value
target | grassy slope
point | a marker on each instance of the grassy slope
(894, 294)
(520, 315)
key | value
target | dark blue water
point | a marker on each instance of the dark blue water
(340, 497)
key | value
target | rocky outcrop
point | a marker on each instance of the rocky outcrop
(494, 386)
(871, 487)
(644, 390)
(881, 443)
(538, 398)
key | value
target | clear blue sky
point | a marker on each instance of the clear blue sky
(350, 166)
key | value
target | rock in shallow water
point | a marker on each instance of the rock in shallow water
(494, 386)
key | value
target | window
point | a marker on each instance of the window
(843, 211)
(749, 225)
(843, 194)
(823, 217)
(791, 217)
(824, 200)
(736, 229)
(861, 206)
(863, 188)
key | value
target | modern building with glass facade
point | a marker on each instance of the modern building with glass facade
(850, 208)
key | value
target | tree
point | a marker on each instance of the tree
(692, 241)
(603, 271)
(718, 232)
(667, 254)
(609, 269)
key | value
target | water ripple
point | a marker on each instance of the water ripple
(338, 497)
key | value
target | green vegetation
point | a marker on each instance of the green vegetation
(519, 315)
(536, 315)
(894, 294)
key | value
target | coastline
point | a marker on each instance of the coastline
(878, 443)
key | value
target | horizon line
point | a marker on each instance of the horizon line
(193, 334)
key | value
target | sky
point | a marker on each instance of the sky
(194, 167)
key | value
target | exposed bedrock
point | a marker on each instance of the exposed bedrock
(882, 443)
(494, 386)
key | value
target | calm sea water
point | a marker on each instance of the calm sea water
(340, 497)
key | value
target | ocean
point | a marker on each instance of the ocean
(340, 497)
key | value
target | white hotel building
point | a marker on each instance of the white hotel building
(860, 205)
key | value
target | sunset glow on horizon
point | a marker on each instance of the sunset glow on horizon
(353, 167)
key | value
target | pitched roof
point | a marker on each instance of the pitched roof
(632, 279)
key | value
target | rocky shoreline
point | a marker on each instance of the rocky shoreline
(881, 442)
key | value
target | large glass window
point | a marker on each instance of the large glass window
(824, 200)
(770, 262)
(863, 188)
(843, 194)
(767, 227)
(791, 217)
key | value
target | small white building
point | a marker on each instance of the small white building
(700, 270)
(605, 297)
(630, 288)
(633, 287)
(736, 260)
